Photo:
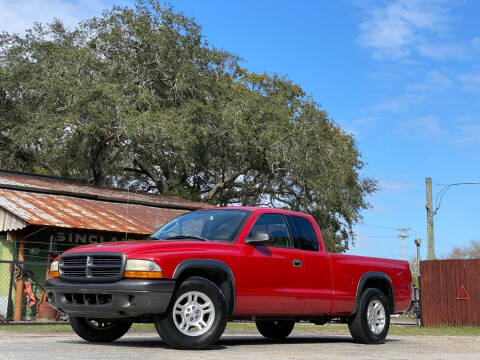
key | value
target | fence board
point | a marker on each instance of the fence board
(441, 281)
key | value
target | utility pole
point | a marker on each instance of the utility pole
(429, 206)
(403, 236)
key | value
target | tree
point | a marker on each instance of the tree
(137, 98)
(471, 251)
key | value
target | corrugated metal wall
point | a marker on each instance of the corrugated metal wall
(450, 292)
(10, 222)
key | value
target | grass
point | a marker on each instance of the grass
(249, 328)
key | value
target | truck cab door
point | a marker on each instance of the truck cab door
(318, 295)
(271, 278)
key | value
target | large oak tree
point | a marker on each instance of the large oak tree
(137, 98)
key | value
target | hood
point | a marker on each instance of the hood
(146, 246)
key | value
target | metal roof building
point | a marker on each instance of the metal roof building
(42, 216)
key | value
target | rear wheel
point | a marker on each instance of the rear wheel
(372, 319)
(196, 316)
(96, 330)
(275, 329)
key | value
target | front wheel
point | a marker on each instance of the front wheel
(275, 329)
(372, 320)
(196, 316)
(97, 330)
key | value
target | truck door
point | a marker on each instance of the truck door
(271, 278)
(318, 294)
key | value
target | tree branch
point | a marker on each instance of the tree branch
(227, 180)
(147, 171)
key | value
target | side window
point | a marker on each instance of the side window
(304, 233)
(276, 227)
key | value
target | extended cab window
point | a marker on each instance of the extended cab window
(304, 233)
(276, 227)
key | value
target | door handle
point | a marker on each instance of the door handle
(297, 263)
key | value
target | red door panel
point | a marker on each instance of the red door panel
(268, 282)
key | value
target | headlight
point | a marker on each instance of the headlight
(54, 269)
(142, 269)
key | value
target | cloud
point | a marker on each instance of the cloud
(428, 127)
(16, 16)
(409, 27)
(434, 81)
(443, 51)
(470, 81)
(396, 186)
(398, 104)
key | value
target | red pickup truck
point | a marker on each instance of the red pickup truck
(207, 267)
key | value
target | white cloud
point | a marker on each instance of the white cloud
(476, 42)
(398, 104)
(470, 81)
(18, 15)
(396, 186)
(442, 51)
(434, 81)
(428, 127)
(405, 27)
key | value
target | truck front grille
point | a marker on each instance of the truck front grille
(92, 267)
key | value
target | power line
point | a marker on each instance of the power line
(443, 191)
(377, 226)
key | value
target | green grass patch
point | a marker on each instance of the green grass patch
(250, 328)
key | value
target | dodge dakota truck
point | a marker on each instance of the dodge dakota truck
(211, 266)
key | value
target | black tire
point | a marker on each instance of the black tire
(166, 324)
(275, 329)
(360, 328)
(99, 330)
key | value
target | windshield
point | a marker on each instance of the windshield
(206, 225)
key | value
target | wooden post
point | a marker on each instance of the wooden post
(17, 315)
(430, 233)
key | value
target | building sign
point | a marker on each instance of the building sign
(83, 238)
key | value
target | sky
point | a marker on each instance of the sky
(402, 76)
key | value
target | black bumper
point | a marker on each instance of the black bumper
(120, 299)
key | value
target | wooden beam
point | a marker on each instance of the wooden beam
(17, 315)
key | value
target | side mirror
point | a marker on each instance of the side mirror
(259, 238)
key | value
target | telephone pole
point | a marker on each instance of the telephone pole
(403, 236)
(429, 206)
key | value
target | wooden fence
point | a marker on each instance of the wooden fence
(450, 292)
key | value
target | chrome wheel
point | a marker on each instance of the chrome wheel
(376, 316)
(193, 313)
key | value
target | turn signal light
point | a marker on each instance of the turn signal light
(143, 274)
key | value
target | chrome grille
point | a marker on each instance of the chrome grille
(94, 267)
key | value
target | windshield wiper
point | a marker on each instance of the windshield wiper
(187, 236)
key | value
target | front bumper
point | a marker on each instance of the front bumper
(120, 299)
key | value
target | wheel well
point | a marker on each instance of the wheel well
(216, 275)
(384, 286)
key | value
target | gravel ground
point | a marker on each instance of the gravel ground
(51, 346)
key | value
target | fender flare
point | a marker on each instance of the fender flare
(372, 275)
(208, 264)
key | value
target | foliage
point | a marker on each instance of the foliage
(414, 270)
(137, 98)
(471, 251)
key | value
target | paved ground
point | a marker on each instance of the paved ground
(51, 346)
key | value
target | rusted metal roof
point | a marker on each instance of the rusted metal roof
(79, 213)
(52, 185)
